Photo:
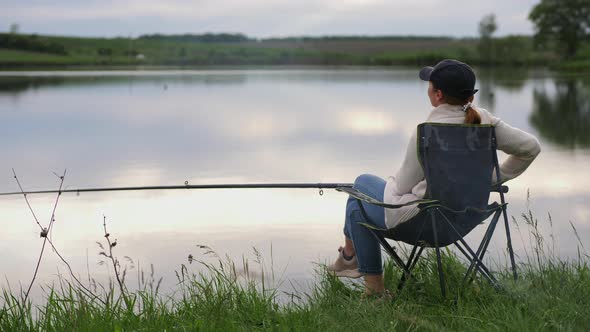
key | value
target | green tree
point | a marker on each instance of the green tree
(487, 27)
(566, 21)
(14, 28)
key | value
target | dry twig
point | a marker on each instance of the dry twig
(45, 234)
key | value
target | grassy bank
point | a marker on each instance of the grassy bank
(555, 296)
(19, 51)
(550, 294)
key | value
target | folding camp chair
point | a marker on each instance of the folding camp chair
(458, 161)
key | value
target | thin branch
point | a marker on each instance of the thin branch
(44, 233)
(52, 220)
(88, 268)
(45, 237)
(74, 276)
(27, 200)
(110, 255)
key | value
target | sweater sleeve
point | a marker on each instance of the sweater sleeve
(522, 148)
(410, 172)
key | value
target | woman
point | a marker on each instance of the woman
(451, 86)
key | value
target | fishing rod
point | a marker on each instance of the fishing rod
(319, 186)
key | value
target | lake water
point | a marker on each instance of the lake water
(136, 128)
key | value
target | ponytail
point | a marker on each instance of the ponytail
(472, 116)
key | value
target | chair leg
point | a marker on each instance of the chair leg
(441, 276)
(473, 257)
(389, 249)
(479, 264)
(408, 264)
(483, 270)
(484, 245)
(412, 260)
(381, 239)
(508, 238)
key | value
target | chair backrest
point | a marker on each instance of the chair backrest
(458, 161)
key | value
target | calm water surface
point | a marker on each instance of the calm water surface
(247, 126)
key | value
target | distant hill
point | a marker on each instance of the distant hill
(202, 38)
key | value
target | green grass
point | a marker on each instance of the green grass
(550, 294)
(507, 51)
(16, 58)
(555, 296)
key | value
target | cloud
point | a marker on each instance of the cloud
(263, 18)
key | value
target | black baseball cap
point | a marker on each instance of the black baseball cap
(453, 77)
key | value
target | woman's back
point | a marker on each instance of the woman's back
(408, 183)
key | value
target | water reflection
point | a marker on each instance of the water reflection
(564, 116)
(15, 85)
(492, 80)
(185, 132)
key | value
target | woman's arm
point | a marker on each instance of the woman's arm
(521, 147)
(410, 172)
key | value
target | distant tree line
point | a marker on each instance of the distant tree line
(30, 43)
(106, 51)
(202, 38)
(237, 38)
(355, 38)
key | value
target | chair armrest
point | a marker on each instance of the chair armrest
(497, 188)
(368, 199)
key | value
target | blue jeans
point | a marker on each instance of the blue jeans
(366, 246)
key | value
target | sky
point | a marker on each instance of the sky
(264, 18)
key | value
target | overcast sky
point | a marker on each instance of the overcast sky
(264, 18)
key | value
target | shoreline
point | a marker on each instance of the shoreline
(574, 67)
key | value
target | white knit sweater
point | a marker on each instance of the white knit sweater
(408, 184)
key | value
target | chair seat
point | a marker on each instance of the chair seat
(418, 230)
